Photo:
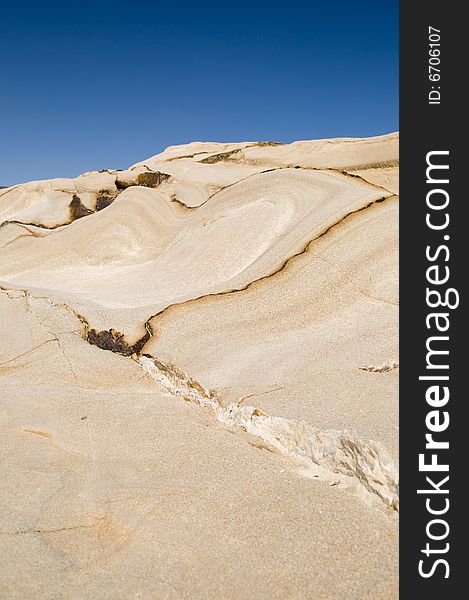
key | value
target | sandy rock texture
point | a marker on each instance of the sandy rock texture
(199, 368)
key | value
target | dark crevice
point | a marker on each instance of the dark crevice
(252, 145)
(77, 210)
(103, 202)
(221, 156)
(123, 185)
(206, 152)
(176, 200)
(270, 144)
(114, 341)
(22, 224)
(214, 158)
(345, 172)
(151, 179)
(362, 179)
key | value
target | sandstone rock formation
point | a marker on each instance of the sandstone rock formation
(199, 369)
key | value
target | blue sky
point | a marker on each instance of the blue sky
(91, 85)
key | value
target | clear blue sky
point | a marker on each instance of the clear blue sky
(91, 85)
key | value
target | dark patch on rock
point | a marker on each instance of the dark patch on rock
(138, 346)
(103, 202)
(149, 179)
(270, 144)
(237, 153)
(77, 210)
(114, 341)
(214, 158)
(110, 340)
(123, 185)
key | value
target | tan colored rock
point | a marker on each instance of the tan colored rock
(199, 368)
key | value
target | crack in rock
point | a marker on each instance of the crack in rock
(341, 452)
(57, 530)
(234, 154)
(224, 154)
(278, 270)
(23, 354)
(365, 461)
(176, 200)
(115, 341)
(391, 365)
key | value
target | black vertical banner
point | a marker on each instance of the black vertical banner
(433, 259)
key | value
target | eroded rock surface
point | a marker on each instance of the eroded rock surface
(199, 367)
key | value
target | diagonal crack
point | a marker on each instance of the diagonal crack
(57, 530)
(356, 176)
(115, 341)
(225, 187)
(365, 462)
(26, 295)
(40, 225)
(176, 200)
(278, 270)
(27, 352)
(342, 452)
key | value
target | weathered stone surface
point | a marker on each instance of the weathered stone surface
(199, 383)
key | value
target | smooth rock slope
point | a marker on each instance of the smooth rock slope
(199, 367)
